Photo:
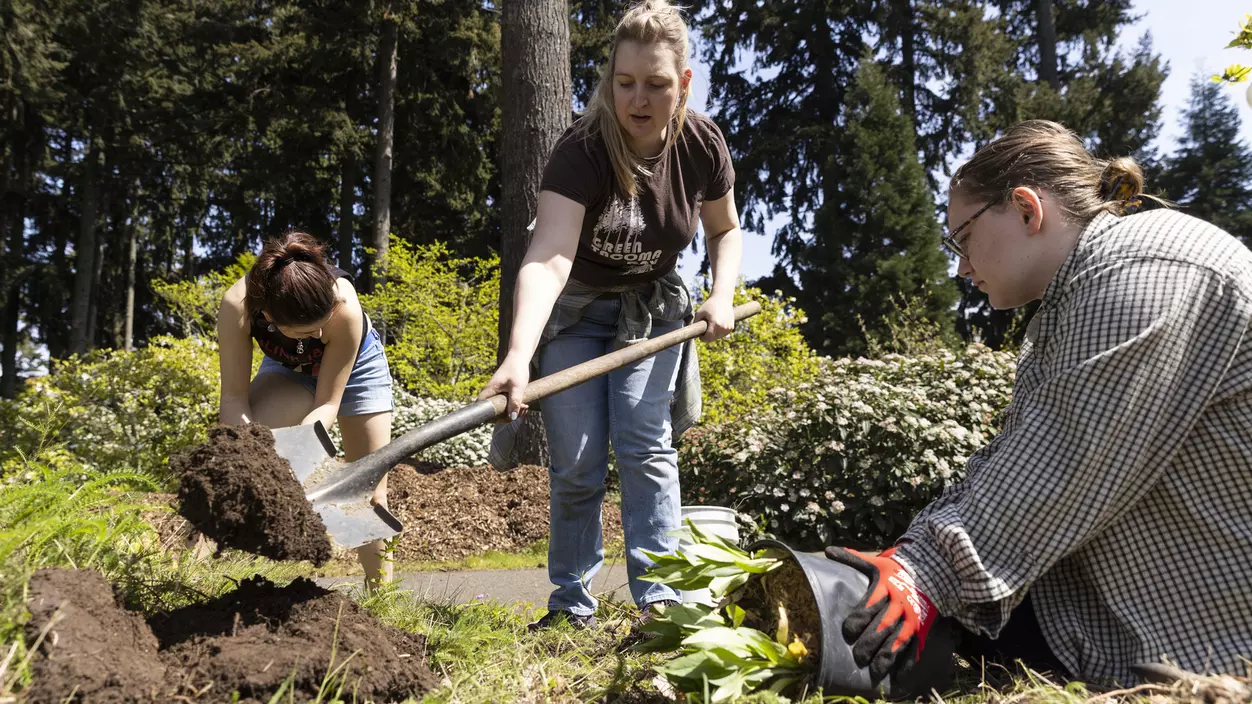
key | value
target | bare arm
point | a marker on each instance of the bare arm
(343, 338)
(234, 343)
(724, 240)
(543, 274)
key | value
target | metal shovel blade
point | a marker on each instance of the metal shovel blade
(311, 453)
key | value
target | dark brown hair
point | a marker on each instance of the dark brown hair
(290, 281)
(1046, 155)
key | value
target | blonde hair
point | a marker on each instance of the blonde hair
(1046, 155)
(647, 22)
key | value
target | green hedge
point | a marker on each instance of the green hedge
(849, 457)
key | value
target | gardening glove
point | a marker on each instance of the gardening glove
(888, 628)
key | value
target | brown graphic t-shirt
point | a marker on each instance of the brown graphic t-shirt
(640, 240)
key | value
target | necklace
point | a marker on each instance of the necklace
(300, 346)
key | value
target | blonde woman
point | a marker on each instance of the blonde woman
(620, 198)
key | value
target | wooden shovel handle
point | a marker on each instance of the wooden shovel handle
(359, 478)
(577, 374)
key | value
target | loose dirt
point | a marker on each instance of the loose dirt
(250, 641)
(449, 514)
(784, 593)
(236, 490)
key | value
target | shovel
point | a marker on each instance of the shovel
(340, 492)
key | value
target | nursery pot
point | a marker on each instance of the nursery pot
(715, 520)
(837, 589)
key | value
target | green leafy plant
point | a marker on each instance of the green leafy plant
(720, 658)
(706, 561)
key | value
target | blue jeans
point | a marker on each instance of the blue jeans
(631, 408)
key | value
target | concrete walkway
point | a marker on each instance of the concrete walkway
(525, 587)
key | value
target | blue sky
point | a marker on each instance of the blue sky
(1188, 34)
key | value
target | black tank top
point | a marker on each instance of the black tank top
(303, 355)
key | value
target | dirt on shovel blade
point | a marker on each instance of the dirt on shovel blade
(237, 490)
(248, 644)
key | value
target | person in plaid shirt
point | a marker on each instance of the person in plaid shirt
(1110, 522)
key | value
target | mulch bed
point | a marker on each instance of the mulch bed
(450, 514)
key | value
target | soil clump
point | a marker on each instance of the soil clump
(236, 490)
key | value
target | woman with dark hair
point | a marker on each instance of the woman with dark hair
(323, 360)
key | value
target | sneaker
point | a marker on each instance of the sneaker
(552, 618)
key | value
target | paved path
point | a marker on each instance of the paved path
(529, 587)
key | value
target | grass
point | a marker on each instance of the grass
(483, 653)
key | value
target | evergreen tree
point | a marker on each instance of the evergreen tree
(1210, 175)
(875, 241)
(591, 28)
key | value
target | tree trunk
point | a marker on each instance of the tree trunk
(85, 249)
(1047, 45)
(130, 250)
(906, 26)
(382, 152)
(535, 110)
(102, 311)
(16, 196)
(347, 201)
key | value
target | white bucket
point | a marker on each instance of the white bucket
(715, 520)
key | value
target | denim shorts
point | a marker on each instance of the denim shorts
(369, 387)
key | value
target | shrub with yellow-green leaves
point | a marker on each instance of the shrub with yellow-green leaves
(194, 304)
(439, 314)
(850, 456)
(114, 410)
(765, 351)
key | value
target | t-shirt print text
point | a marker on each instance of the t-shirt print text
(617, 236)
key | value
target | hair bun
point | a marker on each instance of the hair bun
(1121, 180)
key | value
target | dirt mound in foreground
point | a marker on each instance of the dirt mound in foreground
(250, 641)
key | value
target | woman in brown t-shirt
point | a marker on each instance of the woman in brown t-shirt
(619, 200)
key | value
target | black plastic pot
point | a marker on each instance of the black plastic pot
(837, 589)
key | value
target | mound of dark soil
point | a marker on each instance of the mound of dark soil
(259, 635)
(236, 490)
(249, 641)
(93, 651)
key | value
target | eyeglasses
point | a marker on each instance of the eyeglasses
(949, 240)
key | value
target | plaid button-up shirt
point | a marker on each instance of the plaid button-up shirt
(1119, 491)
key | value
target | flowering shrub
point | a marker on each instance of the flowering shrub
(849, 457)
(115, 410)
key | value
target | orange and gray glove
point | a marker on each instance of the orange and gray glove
(888, 628)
